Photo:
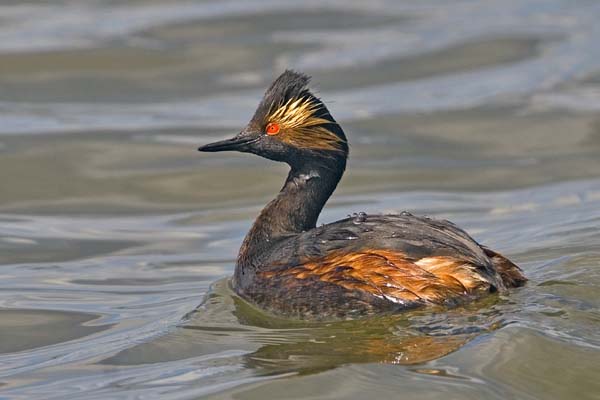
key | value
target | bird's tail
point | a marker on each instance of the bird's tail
(511, 274)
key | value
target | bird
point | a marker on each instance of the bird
(360, 266)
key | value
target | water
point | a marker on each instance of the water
(117, 237)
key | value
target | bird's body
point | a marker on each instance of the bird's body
(368, 264)
(362, 265)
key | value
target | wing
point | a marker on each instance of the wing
(417, 237)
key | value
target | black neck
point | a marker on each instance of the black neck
(295, 209)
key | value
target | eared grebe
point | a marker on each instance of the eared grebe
(361, 265)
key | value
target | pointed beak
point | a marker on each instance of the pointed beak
(237, 143)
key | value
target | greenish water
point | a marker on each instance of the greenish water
(117, 237)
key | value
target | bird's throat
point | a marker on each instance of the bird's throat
(295, 210)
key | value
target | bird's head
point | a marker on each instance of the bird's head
(290, 125)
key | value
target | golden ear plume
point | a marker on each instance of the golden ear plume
(302, 128)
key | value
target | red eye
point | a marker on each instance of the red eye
(272, 129)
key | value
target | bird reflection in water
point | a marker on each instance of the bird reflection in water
(286, 345)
